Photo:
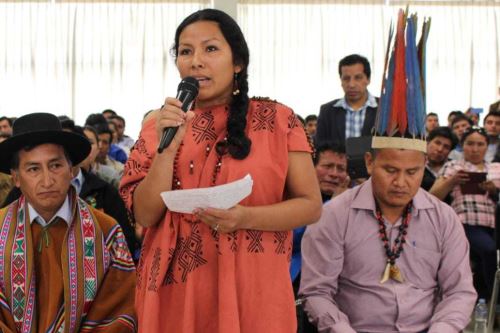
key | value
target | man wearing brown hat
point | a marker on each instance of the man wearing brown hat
(64, 266)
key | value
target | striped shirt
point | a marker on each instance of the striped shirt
(354, 119)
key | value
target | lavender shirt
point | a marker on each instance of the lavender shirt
(343, 260)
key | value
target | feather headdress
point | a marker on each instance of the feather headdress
(400, 121)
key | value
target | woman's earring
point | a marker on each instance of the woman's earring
(236, 90)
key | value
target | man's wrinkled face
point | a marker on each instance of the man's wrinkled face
(44, 177)
(331, 170)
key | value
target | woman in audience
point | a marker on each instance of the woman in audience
(474, 201)
(219, 270)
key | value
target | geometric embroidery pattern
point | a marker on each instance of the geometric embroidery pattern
(255, 238)
(293, 121)
(280, 239)
(169, 277)
(233, 238)
(204, 127)
(140, 265)
(22, 305)
(140, 146)
(89, 257)
(155, 268)
(264, 116)
(190, 254)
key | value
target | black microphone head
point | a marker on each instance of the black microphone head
(189, 83)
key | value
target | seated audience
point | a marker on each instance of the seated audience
(99, 122)
(440, 142)
(452, 116)
(492, 128)
(459, 124)
(105, 137)
(311, 124)
(6, 125)
(123, 141)
(431, 122)
(476, 211)
(105, 172)
(473, 115)
(108, 113)
(98, 193)
(67, 123)
(6, 183)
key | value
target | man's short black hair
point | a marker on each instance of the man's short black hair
(311, 117)
(445, 132)
(491, 114)
(113, 112)
(356, 59)
(460, 117)
(9, 120)
(95, 119)
(104, 129)
(15, 160)
(120, 118)
(66, 122)
(430, 114)
(455, 113)
(335, 147)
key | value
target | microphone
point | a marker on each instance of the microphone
(186, 93)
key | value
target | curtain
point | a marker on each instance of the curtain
(295, 47)
(80, 57)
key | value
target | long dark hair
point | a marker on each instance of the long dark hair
(237, 144)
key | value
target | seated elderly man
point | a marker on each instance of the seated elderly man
(64, 266)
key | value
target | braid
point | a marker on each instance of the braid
(237, 144)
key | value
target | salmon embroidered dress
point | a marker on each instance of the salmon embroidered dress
(194, 279)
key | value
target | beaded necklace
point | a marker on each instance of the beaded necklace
(391, 270)
(176, 181)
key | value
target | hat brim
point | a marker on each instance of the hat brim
(381, 142)
(77, 147)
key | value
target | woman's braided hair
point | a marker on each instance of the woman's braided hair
(237, 143)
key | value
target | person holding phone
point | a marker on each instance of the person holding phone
(476, 211)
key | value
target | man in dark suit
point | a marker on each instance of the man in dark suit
(354, 114)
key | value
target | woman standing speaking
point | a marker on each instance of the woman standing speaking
(219, 270)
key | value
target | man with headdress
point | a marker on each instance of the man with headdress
(64, 266)
(387, 256)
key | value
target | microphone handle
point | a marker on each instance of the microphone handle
(187, 99)
(166, 138)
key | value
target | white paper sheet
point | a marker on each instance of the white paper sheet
(222, 196)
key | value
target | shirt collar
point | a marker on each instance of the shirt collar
(428, 167)
(77, 182)
(371, 101)
(64, 213)
(364, 199)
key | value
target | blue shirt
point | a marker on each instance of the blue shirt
(117, 154)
